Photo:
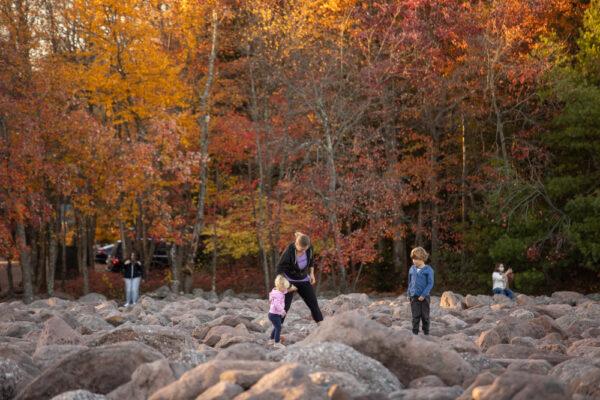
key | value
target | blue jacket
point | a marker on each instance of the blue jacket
(420, 282)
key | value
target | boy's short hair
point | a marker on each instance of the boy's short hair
(419, 253)
(280, 281)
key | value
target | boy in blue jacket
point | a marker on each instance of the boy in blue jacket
(420, 283)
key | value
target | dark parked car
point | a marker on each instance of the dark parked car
(103, 252)
(160, 257)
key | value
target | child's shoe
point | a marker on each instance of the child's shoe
(271, 342)
(279, 346)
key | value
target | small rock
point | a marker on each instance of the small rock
(488, 339)
(426, 381)
(221, 391)
(79, 395)
(428, 393)
(540, 367)
(342, 380)
(509, 351)
(520, 385)
(477, 301)
(451, 300)
(571, 298)
(243, 351)
(92, 298)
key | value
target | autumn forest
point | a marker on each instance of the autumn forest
(221, 127)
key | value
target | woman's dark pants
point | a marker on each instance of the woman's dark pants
(420, 313)
(306, 291)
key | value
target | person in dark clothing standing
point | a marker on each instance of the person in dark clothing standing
(133, 273)
(297, 266)
(420, 283)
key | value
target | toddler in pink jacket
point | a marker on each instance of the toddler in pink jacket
(277, 307)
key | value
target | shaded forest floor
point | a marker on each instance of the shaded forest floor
(244, 279)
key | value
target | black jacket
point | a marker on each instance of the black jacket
(134, 270)
(288, 265)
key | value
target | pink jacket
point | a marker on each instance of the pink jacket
(277, 302)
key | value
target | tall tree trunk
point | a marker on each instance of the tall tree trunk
(434, 202)
(177, 254)
(267, 189)
(331, 201)
(91, 241)
(35, 252)
(203, 121)
(399, 249)
(213, 280)
(52, 255)
(25, 261)
(124, 241)
(463, 193)
(258, 208)
(82, 251)
(42, 258)
(419, 237)
(9, 276)
(491, 83)
(146, 254)
(63, 245)
(357, 277)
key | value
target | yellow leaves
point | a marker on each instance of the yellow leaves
(301, 24)
(232, 239)
(121, 66)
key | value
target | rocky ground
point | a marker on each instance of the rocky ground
(206, 347)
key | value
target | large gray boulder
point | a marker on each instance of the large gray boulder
(45, 356)
(12, 378)
(171, 342)
(58, 332)
(147, 379)
(340, 357)
(99, 370)
(194, 382)
(404, 354)
(581, 375)
(289, 381)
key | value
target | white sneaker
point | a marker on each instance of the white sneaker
(271, 342)
(279, 346)
(126, 305)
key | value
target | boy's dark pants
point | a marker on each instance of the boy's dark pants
(306, 291)
(420, 312)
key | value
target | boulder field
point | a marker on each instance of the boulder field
(203, 346)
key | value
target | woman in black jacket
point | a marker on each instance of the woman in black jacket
(133, 272)
(297, 265)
